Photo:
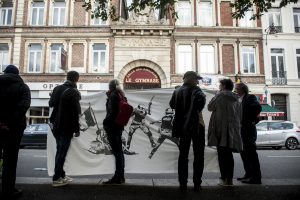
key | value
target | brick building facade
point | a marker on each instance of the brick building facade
(205, 38)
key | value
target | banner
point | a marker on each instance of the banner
(147, 143)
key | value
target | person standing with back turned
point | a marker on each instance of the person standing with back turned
(15, 100)
(251, 110)
(188, 102)
(224, 129)
(65, 119)
(114, 130)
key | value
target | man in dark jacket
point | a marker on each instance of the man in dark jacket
(251, 109)
(14, 102)
(188, 102)
(65, 119)
(114, 130)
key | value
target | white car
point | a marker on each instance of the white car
(277, 134)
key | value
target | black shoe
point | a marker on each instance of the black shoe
(197, 188)
(252, 181)
(183, 187)
(13, 195)
(242, 178)
(114, 181)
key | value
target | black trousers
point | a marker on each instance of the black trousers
(63, 141)
(250, 160)
(198, 148)
(226, 162)
(249, 155)
(10, 143)
(114, 137)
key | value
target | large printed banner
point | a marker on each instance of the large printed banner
(147, 143)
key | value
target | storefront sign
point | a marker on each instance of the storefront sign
(142, 75)
(40, 86)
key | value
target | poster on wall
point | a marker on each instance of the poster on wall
(148, 145)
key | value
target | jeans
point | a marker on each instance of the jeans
(63, 141)
(115, 141)
(198, 147)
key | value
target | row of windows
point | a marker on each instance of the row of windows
(248, 60)
(35, 53)
(207, 59)
(205, 15)
(38, 14)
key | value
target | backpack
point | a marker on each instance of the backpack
(125, 111)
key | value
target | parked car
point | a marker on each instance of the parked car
(277, 134)
(35, 135)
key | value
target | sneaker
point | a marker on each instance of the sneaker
(59, 182)
(68, 179)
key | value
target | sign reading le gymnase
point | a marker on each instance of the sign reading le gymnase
(142, 75)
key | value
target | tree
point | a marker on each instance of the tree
(104, 12)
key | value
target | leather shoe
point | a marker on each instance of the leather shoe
(114, 181)
(183, 187)
(251, 181)
(197, 188)
(242, 178)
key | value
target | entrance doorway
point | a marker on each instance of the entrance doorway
(141, 78)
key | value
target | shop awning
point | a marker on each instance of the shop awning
(269, 111)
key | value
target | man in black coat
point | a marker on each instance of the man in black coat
(251, 109)
(188, 102)
(15, 100)
(65, 119)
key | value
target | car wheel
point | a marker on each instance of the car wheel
(291, 143)
(276, 147)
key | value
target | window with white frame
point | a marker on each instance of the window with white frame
(3, 56)
(298, 61)
(207, 59)
(277, 63)
(246, 20)
(248, 60)
(205, 13)
(184, 58)
(6, 16)
(34, 58)
(184, 12)
(59, 13)
(297, 19)
(274, 18)
(37, 14)
(55, 59)
(99, 58)
(98, 21)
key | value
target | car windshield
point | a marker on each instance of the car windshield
(30, 128)
(262, 126)
(43, 127)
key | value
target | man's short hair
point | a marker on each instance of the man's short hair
(227, 83)
(72, 76)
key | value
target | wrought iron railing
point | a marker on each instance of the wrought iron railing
(279, 78)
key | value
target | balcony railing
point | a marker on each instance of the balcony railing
(297, 29)
(279, 78)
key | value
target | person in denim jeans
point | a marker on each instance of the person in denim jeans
(65, 119)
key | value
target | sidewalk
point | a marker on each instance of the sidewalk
(156, 189)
